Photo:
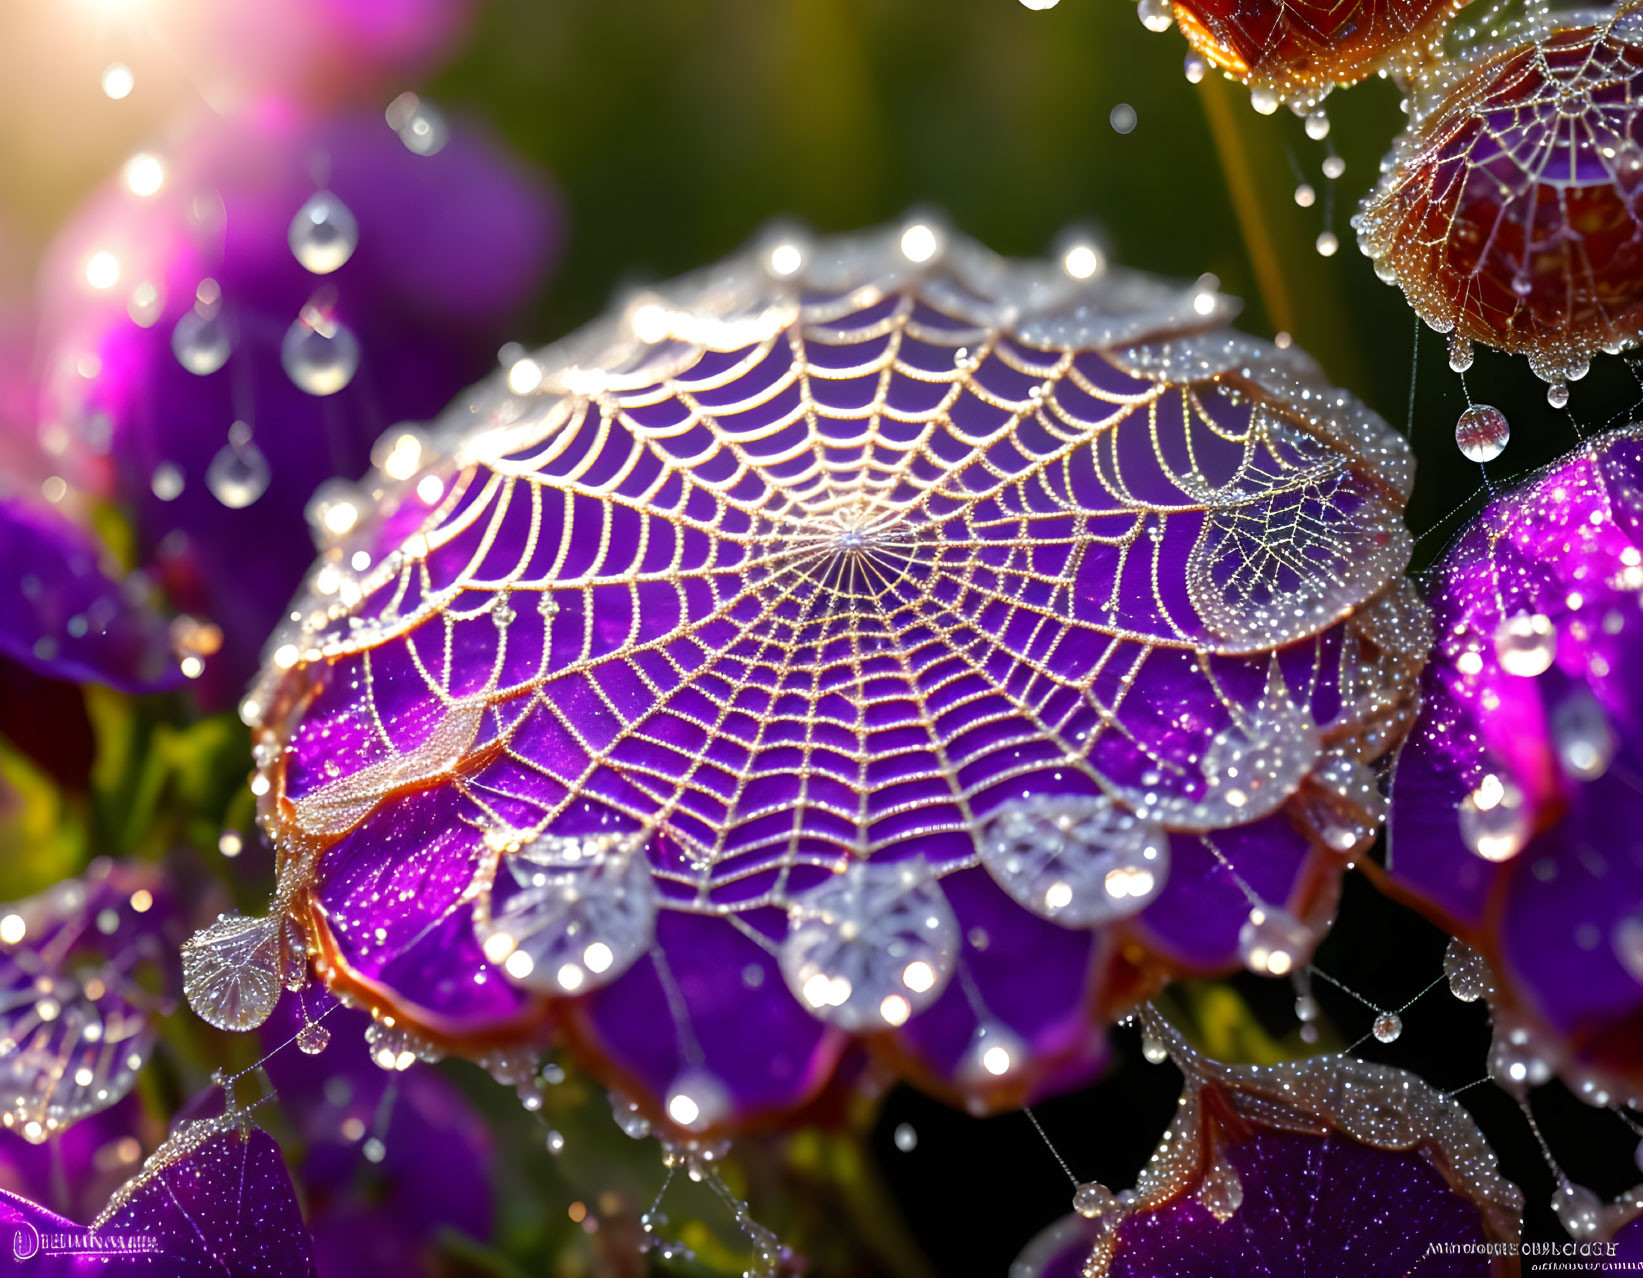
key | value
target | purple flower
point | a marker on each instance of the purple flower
(1513, 807)
(214, 1200)
(86, 969)
(1328, 1165)
(79, 1166)
(394, 1157)
(868, 642)
(66, 612)
(244, 314)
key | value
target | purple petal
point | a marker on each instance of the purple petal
(1512, 805)
(66, 614)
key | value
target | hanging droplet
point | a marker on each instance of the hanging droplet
(238, 475)
(1526, 644)
(1317, 125)
(1273, 941)
(1557, 394)
(1492, 820)
(320, 354)
(1328, 244)
(634, 1125)
(1079, 860)
(1628, 944)
(420, 125)
(200, 342)
(1156, 15)
(1195, 68)
(323, 234)
(1467, 972)
(231, 971)
(1221, 1193)
(1264, 100)
(872, 946)
(1579, 1210)
(1482, 432)
(1461, 355)
(995, 1052)
(373, 1149)
(568, 914)
(1305, 196)
(1585, 741)
(906, 1137)
(313, 1039)
(1388, 1026)
(1333, 167)
(1093, 1200)
(1152, 1047)
(697, 1101)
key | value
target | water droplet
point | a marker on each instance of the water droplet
(1482, 431)
(421, 125)
(1221, 1193)
(1093, 1200)
(1195, 68)
(373, 1149)
(1079, 860)
(906, 1138)
(871, 946)
(1492, 820)
(1333, 167)
(313, 1039)
(697, 1101)
(1040, 5)
(995, 1052)
(1156, 15)
(323, 234)
(1557, 394)
(1579, 1210)
(1122, 118)
(200, 342)
(1328, 244)
(1513, 1061)
(1273, 941)
(1467, 972)
(1628, 944)
(1317, 125)
(1526, 644)
(231, 971)
(320, 354)
(569, 914)
(1585, 741)
(1153, 1049)
(1305, 196)
(1388, 1026)
(238, 475)
(1264, 100)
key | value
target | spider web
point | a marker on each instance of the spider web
(842, 593)
(1507, 216)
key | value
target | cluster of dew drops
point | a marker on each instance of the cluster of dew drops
(319, 352)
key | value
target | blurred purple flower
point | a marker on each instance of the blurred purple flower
(224, 379)
(76, 1170)
(393, 1157)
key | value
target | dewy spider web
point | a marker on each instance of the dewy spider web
(772, 585)
(1505, 211)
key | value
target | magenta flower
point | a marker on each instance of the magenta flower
(243, 315)
(1512, 805)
